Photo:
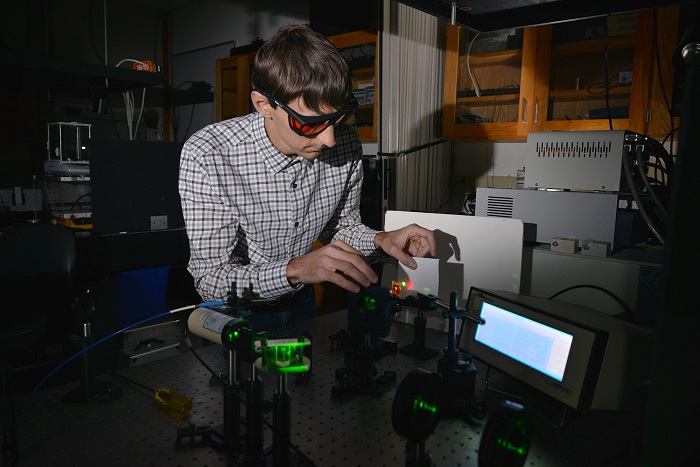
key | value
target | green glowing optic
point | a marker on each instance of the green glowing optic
(403, 283)
(421, 405)
(370, 303)
(285, 357)
(508, 446)
(423, 415)
(292, 369)
(233, 336)
(518, 430)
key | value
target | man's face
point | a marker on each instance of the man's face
(288, 141)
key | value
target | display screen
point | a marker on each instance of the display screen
(534, 344)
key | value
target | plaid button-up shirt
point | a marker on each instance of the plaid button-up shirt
(249, 208)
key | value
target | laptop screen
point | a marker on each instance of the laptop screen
(134, 186)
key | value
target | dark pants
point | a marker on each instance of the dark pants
(301, 307)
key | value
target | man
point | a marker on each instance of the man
(258, 190)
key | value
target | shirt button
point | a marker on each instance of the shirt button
(294, 185)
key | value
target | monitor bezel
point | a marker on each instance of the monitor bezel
(585, 357)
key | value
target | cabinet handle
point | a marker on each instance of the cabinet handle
(524, 110)
(537, 111)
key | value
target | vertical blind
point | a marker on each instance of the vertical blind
(412, 58)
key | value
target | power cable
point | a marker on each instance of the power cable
(477, 89)
(95, 344)
(625, 307)
(129, 104)
(650, 190)
(187, 341)
(637, 199)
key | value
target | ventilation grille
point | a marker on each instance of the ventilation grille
(499, 206)
(568, 149)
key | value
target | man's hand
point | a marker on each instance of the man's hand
(404, 243)
(336, 262)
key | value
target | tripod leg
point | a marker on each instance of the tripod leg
(281, 413)
(254, 418)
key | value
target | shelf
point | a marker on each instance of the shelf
(161, 97)
(361, 72)
(366, 133)
(63, 178)
(494, 99)
(593, 46)
(584, 95)
(501, 57)
(66, 74)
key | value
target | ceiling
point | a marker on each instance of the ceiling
(489, 15)
(164, 5)
(495, 15)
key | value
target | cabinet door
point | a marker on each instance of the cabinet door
(590, 74)
(489, 84)
(233, 86)
(567, 76)
(360, 49)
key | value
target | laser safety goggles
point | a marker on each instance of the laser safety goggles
(309, 126)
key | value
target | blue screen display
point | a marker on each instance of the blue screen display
(529, 342)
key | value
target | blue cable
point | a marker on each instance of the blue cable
(62, 364)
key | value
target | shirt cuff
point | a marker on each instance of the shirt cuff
(276, 280)
(366, 243)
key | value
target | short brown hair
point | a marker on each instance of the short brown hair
(299, 62)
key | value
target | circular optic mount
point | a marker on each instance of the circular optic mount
(369, 303)
(507, 436)
(417, 405)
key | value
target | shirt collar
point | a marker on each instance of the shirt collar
(274, 159)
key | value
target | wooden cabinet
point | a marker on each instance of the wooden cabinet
(554, 77)
(359, 48)
(489, 109)
(232, 97)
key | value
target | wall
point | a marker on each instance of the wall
(206, 31)
(484, 164)
(479, 160)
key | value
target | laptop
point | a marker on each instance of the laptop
(134, 186)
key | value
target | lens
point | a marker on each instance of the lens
(307, 130)
(311, 129)
(314, 128)
(296, 125)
